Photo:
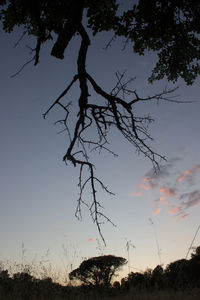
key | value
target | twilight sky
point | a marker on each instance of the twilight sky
(38, 192)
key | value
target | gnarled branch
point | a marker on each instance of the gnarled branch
(110, 111)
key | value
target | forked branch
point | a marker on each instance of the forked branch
(110, 111)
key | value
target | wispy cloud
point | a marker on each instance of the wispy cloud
(184, 216)
(162, 172)
(156, 211)
(152, 178)
(90, 240)
(168, 192)
(136, 194)
(171, 189)
(177, 209)
(189, 174)
(162, 200)
(147, 184)
(192, 199)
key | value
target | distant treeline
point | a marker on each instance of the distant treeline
(179, 275)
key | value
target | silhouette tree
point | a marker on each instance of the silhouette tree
(196, 255)
(157, 277)
(195, 267)
(177, 273)
(177, 44)
(98, 271)
(135, 280)
(5, 283)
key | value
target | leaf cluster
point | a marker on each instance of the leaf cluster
(53, 15)
(102, 15)
(98, 270)
(171, 28)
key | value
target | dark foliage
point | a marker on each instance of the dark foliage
(181, 274)
(170, 27)
(98, 271)
(23, 286)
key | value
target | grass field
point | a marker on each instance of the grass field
(180, 280)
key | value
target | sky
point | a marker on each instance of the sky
(156, 213)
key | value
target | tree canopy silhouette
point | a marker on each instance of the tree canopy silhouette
(98, 271)
(171, 28)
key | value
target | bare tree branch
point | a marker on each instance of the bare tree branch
(20, 39)
(61, 96)
(110, 111)
(24, 65)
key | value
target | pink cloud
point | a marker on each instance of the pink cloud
(145, 187)
(168, 192)
(156, 211)
(136, 194)
(177, 209)
(146, 184)
(188, 200)
(188, 174)
(184, 216)
(162, 200)
(90, 240)
(173, 210)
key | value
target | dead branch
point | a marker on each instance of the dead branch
(24, 65)
(111, 111)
